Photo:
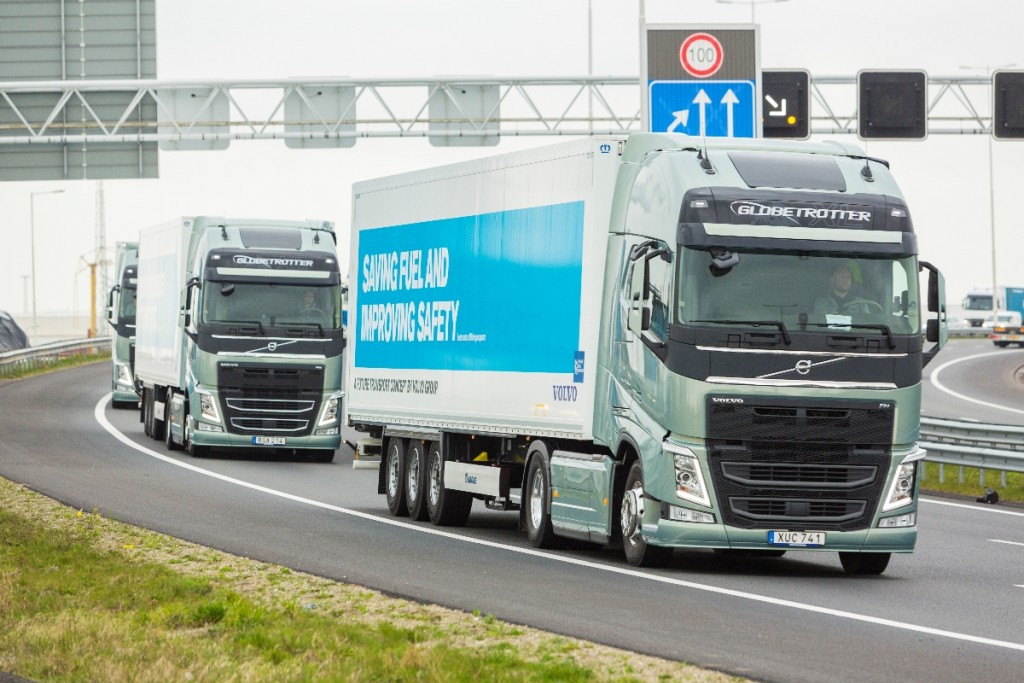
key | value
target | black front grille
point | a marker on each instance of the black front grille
(270, 399)
(796, 465)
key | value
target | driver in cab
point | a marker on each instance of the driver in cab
(840, 298)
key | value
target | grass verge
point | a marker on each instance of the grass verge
(54, 364)
(971, 486)
(85, 598)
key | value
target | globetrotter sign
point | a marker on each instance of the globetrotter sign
(701, 80)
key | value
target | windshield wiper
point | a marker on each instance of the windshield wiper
(864, 326)
(318, 326)
(754, 323)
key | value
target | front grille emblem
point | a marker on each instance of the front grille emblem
(803, 366)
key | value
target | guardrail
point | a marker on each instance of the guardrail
(973, 444)
(13, 363)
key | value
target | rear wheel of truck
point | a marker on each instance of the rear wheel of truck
(864, 563)
(394, 473)
(147, 412)
(416, 480)
(631, 517)
(537, 502)
(445, 507)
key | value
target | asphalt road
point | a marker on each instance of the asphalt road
(949, 612)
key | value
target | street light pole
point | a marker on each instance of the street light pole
(32, 227)
(992, 192)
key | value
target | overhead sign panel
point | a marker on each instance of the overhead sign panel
(892, 105)
(54, 40)
(701, 80)
(1008, 105)
(786, 104)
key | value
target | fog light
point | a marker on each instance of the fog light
(333, 431)
(909, 519)
(203, 427)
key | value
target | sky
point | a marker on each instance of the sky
(944, 178)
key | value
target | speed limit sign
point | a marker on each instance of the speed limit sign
(701, 55)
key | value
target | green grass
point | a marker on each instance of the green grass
(971, 486)
(52, 365)
(84, 598)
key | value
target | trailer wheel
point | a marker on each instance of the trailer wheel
(168, 437)
(416, 480)
(445, 507)
(864, 564)
(157, 427)
(147, 412)
(631, 515)
(536, 500)
(394, 477)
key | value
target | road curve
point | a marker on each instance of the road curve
(947, 613)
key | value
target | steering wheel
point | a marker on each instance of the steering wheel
(312, 312)
(872, 306)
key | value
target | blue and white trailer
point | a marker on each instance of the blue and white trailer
(619, 338)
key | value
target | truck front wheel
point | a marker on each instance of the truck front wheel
(536, 499)
(445, 507)
(394, 472)
(631, 518)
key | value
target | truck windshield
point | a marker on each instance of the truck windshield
(126, 305)
(806, 291)
(975, 302)
(272, 304)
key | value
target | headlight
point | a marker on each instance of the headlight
(124, 375)
(689, 480)
(208, 406)
(330, 412)
(901, 493)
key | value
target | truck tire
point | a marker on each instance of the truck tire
(864, 564)
(394, 477)
(168, 437)
(147, 412)
(156, 429)
(638, 552)
(445, 507)
(416, 480)
(537, 505)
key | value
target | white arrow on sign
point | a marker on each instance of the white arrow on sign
(777, 109)
(702, 100)
(681, 118)
(729, 99)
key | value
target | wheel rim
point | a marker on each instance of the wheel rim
(413, 476)
(435, 480)
(393, 472)
(537, 499)
(632, 513)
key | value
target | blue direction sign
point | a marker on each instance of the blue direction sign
(712, 108)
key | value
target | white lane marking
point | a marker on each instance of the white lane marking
(101, 418)
(941, 387)
(965, 506)
(996, 540)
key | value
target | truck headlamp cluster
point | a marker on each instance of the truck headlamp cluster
(901, 492)
(330, 413)
(689, 479)
(208, 406)
(124, 376)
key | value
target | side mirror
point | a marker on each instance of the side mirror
(935, 330)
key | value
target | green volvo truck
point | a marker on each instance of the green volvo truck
(121, 317)
(239, 337)
(656, 341)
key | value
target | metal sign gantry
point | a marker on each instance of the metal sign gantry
(198, 114)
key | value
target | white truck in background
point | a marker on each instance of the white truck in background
(623, 339)
(121, 317)
(239, 336)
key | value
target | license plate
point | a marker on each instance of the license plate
(268, 440)
(797, 539)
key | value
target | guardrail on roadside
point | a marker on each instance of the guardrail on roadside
(973, 444)
(13, 363)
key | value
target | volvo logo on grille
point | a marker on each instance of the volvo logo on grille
(272, 346)
(803, 366)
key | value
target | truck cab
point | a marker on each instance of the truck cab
(121, 304)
